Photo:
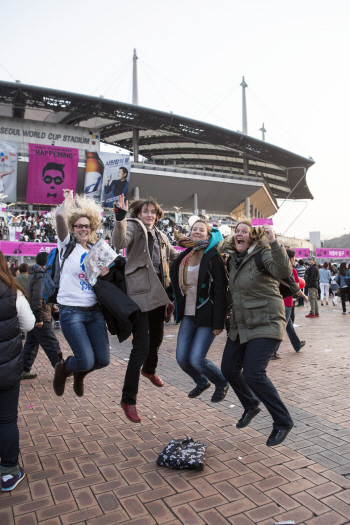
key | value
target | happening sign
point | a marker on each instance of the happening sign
(336, 253)
(25, 248)
(50, 170)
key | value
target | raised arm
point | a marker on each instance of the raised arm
(122, 236)
(276, 261)
(61, 214)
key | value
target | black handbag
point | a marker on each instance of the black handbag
(183, 453)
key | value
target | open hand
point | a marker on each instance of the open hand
(122, 203)
(68, 197)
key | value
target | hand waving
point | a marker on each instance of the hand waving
(122, 203)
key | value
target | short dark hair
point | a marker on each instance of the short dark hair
(124, 169)
(290, 253)
(136, 207)
(23, 268)
(41, 258)
(301, 262)
(54, 166)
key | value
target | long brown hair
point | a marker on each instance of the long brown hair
(7, 278)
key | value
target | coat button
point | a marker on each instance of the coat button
(144, 250)
(147, 265)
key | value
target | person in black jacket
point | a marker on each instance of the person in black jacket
(311, 279)
(15, 317)
(199, 282)
(42, 333)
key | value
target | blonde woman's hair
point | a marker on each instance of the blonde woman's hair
(85, 207)
(255, 234)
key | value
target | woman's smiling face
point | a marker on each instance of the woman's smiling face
(242, 237)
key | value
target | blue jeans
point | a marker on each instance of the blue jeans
(192, 347)
(294, 339)
(252, 384)
(9, 435)
(86, 334)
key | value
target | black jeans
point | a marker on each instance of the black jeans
(343, 293)
(9, 435)
(45, 337)
(252, 384)
(148, 334)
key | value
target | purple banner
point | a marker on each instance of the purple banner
(301, 252)
(25, 248)
(50, 170)
(339, 253)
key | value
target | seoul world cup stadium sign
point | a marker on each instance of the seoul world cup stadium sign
(29, 131)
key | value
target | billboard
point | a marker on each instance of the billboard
(28, 131)
(8, 170)
(301, 252)
(107, 176)
(51, 169)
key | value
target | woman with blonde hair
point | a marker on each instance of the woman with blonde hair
(257, 323)
(82, 321)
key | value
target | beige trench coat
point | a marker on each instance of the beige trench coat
(143, 285)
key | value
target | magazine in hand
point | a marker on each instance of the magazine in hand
(100, 255)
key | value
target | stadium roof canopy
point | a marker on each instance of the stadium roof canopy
(165, 140)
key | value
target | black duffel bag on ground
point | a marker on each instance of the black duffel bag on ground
(183, 453)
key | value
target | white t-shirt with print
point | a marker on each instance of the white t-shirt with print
(74, 287)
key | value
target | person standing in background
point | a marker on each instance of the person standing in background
(325, 280)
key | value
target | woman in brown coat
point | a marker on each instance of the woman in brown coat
(147, 275)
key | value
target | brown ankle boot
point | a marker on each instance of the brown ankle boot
(59, 380)
(78, 385)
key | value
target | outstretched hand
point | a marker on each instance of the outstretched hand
(68, 197)
(122, 203)
(269, 232)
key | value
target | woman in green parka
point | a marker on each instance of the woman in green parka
(257, 323)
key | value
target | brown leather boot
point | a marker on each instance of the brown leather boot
(78, 385)
(59, 380)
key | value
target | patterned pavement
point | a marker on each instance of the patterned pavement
(87, 464)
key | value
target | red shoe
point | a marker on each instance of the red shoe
(317, 315)
(156, 380)
(131, 412)
(311, 315)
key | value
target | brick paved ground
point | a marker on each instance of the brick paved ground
(86, 463)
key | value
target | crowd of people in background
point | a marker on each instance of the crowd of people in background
(215, 283)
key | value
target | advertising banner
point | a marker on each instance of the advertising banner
(8, 170)
(25, 248)
(50, 170)
(107, 176)
(301, 253)
(335, 253)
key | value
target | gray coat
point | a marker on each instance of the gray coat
(142, 284)
(257, 306)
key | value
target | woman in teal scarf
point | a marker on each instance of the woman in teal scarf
(199, 281)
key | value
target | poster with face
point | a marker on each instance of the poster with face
(51, 169)
(116, 177)
(8, 170)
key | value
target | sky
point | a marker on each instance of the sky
(192, 55)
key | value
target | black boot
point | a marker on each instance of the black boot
(59, 380)
(78, 385)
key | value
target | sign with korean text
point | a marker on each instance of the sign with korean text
(336, 253)
(25, 248)
(50, 170)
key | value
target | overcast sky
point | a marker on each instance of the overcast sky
(192, 56)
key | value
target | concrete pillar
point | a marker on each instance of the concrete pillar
(195, 204)
(247, 207)
(135, 144)
(136, 193)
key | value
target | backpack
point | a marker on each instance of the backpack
(183, 453)
(288, 286)
(50, 282)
